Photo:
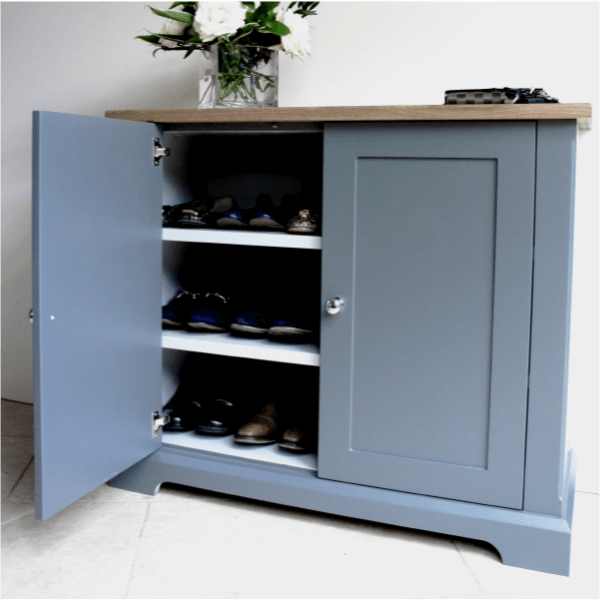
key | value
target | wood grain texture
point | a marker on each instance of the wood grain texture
(484, 112)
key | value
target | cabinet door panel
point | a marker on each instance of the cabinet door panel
(96, 296)
(428, 237)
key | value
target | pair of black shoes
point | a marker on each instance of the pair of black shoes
(213, 416)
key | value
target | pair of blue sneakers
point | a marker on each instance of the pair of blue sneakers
(213, 312)
(264, 216)
(257, 325)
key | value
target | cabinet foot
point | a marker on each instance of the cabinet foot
(546, 551)
(544, 542)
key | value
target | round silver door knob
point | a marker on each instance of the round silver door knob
(333, 306)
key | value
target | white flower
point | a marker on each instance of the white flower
(297, 42)
(211, 22)
(172, 27)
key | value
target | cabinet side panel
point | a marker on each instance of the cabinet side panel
(550, 317)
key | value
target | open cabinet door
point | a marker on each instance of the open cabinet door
(96, 302)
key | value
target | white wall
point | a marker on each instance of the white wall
(82, 58)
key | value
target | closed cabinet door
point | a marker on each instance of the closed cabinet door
(427, 240)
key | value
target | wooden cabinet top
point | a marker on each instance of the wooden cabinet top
(482, 112)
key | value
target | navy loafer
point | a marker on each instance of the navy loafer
(210, 313)
(232, 219)
(265, 220)
(176, 313)
(251, 324)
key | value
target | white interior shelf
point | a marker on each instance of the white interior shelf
(225, 344)
(225, 446)
(273, 239)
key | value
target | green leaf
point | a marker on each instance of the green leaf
(173, 38)
(245, 30)
(251, 5)
(278, 28)
(174, 15)
(193, 40)
(193, 5)
(306, 8)
(152, 39)
(188, 52)
(267, 7)
(291, 5)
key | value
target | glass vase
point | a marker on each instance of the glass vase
(239, 77)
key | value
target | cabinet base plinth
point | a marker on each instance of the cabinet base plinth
(527, 540)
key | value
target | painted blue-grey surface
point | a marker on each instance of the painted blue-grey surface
(551, 305)
(90, 427)
(96, 300)
(523, 539)
(427, 236)
(424, 271)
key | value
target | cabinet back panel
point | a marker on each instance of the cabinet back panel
(423, 313)
(244, 165)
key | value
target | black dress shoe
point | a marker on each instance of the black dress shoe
(184, 410)
(220, 417)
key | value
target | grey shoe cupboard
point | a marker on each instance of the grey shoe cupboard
(447, 236)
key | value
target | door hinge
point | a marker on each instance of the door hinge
(158, 422)
(159, 152)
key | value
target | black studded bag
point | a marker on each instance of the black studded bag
(498, 96)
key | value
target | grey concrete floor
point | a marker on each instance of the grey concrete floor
(186, 543)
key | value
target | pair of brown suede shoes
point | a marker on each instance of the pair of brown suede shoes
(263, 429)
